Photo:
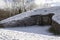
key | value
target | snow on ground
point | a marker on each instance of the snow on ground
(27, 33)
(42, 11)
(33, 29)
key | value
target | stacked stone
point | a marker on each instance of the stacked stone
(46, 19)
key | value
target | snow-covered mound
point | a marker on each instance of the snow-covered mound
(43, 11)
(56, 18)
(15, 35)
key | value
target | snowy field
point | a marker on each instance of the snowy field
(27, 33)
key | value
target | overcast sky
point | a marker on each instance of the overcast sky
(52, 2)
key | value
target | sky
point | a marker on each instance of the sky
(52, 2)
(2, 4)
(46, 1)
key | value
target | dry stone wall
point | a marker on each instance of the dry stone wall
(31, 20)
(35, 20)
